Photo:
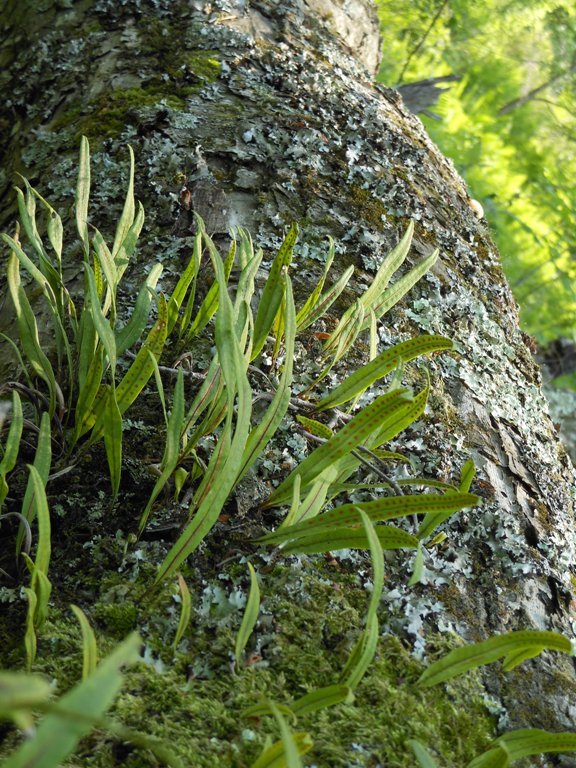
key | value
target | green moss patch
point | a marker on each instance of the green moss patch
(193, 701)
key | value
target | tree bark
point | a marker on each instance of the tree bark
(264, 114)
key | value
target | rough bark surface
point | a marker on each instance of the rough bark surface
(279, 97)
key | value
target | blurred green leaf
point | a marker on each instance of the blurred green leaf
(186, 611)
(461, 660)
(275, 756)
(19, 691)
(421, 754)
(12, 446)
(89, 647)
(57, 735)
(250, 617)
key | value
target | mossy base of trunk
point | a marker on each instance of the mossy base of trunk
(311, 614)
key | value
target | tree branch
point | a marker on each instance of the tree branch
(519, 102)
(422, 40)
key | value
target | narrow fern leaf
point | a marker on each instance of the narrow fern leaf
(112, 429)
(43, 549)
(349, 437)
(394, 293)
(89, 647)
(272, 418)
(127, 217)
(275, 757)
(312, 301)
(421, 754)
(291, 750)
(362, 655)
(387, 508)
(461, 660)
(171, 447)
(391, 263)
(322, 698)
(315, 428)
(250, 617)
(12, 446)
(386, 361)
(186, 611)
(127, 336)
(467, 476)
(533, 741)
(273, 291)
(30, 642)
(327, 299)
(377, 566)
(139, 373)
(43, 463)
(210, 304)
(349, 538)
(83, 196)
(234, 372)
(418, 566)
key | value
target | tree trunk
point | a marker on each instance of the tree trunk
(265, 113)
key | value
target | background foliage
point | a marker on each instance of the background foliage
(509, 125)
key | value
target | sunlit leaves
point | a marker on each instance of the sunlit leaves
(512, 114)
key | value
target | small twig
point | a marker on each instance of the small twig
(265, 376)
(393, 484)
(295, 404)
(173, 371)
(422, 40)
(382, 475)
(61, 472)
(237, 554)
